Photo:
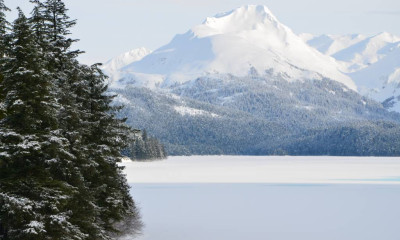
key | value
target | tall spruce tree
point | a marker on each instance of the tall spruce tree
(35, 163)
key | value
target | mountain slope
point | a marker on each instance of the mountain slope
(331, 44)
(367, 51)
(113, 66)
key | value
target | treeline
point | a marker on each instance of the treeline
(144, 147)
(376, 138)
(60, 139)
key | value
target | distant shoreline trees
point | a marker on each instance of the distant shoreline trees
(60, 139)
(145, 148)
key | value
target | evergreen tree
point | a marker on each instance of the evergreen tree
(37, 20)
(105, 139)
(4, 27)
(35, 164)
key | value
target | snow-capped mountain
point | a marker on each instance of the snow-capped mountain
(381, 80)
(250, 40)
(246, 40)
(373, 62)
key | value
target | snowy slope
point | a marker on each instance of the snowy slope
(112, 67)
(247, 39)
(126, 58)
(372, 62)
(381, 80)
(367, 52)
(331, 44)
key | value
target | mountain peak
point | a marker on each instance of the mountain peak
(260, 11)
(385, 37)
(245, 18)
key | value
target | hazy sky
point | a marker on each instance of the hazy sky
(107, 28)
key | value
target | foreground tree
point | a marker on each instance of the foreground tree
(105, 138)
(60, 140)
(35, 163)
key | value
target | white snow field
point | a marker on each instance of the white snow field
(268, 198)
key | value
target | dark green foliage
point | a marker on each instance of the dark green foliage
(35, 196)
(144, 148)
(60, 139)
(105, 137)
(4, 27)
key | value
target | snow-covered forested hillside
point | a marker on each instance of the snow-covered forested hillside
(243, 83)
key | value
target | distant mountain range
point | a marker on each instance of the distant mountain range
(373, 63)
(243, 83)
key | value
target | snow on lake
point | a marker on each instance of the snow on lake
(255, 169)
(268, 198)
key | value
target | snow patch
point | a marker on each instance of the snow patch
(183, 110)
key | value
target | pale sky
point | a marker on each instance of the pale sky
(107, 28)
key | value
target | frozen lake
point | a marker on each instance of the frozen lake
(273, 198)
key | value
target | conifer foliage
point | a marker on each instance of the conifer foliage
(60, 140)
(4, 26)
(145, 148)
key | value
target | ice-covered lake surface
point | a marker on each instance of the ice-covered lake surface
(268, 198)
